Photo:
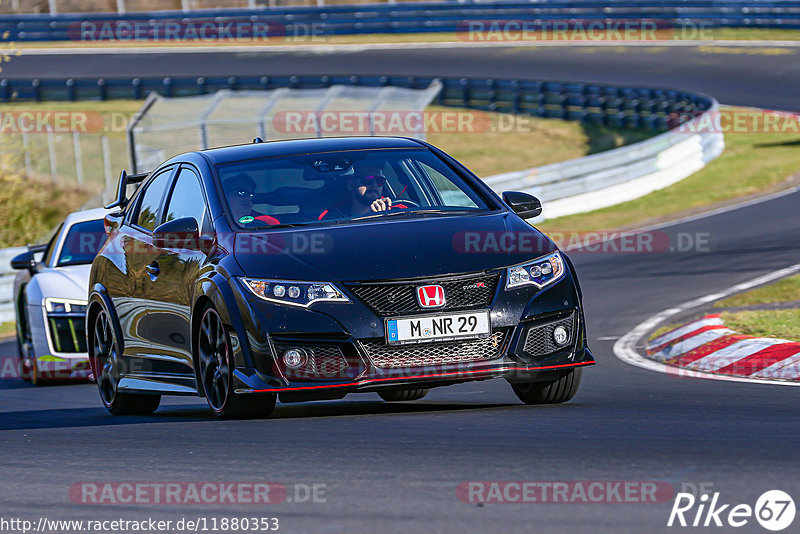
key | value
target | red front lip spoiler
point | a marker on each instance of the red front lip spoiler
(454, 374)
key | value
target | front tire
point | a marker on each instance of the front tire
(107, 368)
(24, 367)
(553, 392)
(215, 366)
(400, 395)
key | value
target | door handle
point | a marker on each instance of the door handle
(153, 270)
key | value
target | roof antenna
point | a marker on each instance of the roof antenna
(257, 140)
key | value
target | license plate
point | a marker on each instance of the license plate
(425, 328)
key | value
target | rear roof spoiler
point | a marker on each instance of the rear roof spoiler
(125, 179)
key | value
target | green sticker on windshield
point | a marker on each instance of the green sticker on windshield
(246, 219)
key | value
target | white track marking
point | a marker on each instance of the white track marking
(692, 343)
(682, 331)
(625, 347)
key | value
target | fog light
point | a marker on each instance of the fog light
(560, 335)
(294, 358)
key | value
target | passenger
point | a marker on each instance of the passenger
(239, 191)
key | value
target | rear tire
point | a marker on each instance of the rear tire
(106, 357)
(400, 395)
(215, 373)
(553, 392)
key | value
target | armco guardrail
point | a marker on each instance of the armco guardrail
(7, 282)
(608, 178)
(447, 16)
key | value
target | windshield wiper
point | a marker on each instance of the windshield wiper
(411, 212)
(285, 225)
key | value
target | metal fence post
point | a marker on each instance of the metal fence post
(109, 179)
(51, 152)
(26, 154)
(76, 149)
(51, 4)
(121, 7)
(186, 5)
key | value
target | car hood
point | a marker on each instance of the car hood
(391, 248)
(66, 282)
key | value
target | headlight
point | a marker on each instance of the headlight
(295, 293)
(541, 272)
(55, 305)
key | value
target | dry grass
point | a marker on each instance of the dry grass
(31, 209)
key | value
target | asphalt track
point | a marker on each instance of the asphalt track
(396, 467)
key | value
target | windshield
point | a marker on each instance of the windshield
(344, 186)
(83, 241)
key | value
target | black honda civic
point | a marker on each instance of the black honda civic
(310, 269)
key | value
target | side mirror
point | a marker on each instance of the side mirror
(525, 205)
(111, 221)
(180, 233)
(24, 261)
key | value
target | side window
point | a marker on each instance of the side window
(148, 214)
(187, 198)
(51, 246)
(451, 194)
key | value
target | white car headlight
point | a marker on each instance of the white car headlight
(540, 272)
(294, 293)
(56, 305)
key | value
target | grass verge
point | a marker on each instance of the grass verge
(7, 329)
(763, 323)
(783, 324)
(785, 290)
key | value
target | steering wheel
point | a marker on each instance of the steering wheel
(407, 203)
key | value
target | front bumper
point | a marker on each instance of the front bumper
(347, 352)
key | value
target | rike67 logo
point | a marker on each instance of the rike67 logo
(774, 510)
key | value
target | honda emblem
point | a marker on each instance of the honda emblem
(430, 296)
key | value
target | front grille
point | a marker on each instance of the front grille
(67, 333)
(426, 354)
(539, 340)
(324, 362)
(396, 298)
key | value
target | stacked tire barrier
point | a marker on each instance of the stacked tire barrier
(444, 16)
(633, 107)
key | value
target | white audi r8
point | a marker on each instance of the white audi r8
(50, 292)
